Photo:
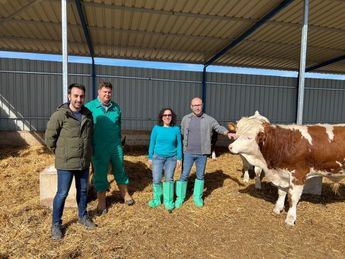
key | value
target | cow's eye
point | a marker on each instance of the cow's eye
(249, 138)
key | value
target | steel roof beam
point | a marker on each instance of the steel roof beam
(76, 44)
(85, 27)
(21, 9)
(165, 34)
(314, 28)
(84, 24)
(185, 14)
(325, 63)
(248, 32)
(117, 30)
(166, 12)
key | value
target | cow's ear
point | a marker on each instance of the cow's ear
(260, 139)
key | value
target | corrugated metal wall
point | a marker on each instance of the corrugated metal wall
(141, 93)
(324, 101)
(231, 96)
(31, 90)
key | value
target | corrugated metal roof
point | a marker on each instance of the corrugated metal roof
(180, 30)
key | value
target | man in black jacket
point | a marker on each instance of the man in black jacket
(68, 135)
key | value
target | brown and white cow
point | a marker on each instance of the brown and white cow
(291, 154)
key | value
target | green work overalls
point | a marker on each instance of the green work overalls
(107, 144)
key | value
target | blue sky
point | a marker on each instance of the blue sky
(164, 65)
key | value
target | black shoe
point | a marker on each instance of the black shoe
(87, 222)
(56, 231)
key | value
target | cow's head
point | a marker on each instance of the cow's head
(245, 125)
(247, 131)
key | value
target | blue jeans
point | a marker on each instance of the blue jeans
(158, 164)
(65, 178)
(188, 161)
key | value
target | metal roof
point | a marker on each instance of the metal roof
(190, 31)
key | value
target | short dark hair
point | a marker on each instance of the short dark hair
(173, 117)
(79, 86)
(105, 84)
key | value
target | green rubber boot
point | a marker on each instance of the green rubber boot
(157, 195)
(198, 191)
(181, 189)
(168, 195)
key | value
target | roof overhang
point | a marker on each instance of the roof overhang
(189, 31)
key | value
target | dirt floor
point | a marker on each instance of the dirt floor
(236, 221)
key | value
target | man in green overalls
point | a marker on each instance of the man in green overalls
(107, 146)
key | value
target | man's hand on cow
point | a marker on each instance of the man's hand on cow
(178, 164)
(149, 162)
(232, 135)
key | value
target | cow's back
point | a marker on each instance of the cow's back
(302, 149)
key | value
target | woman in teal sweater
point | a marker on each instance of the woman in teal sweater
(165, 152)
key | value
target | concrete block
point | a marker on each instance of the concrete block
(48, 187)
(313, 186)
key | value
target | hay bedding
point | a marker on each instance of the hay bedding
(237, 220)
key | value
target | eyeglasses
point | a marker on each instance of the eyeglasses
(197, 105)
(167, 115)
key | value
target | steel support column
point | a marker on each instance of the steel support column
(64, 50)
(301, 75)
(93, 75)
(203, 90)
